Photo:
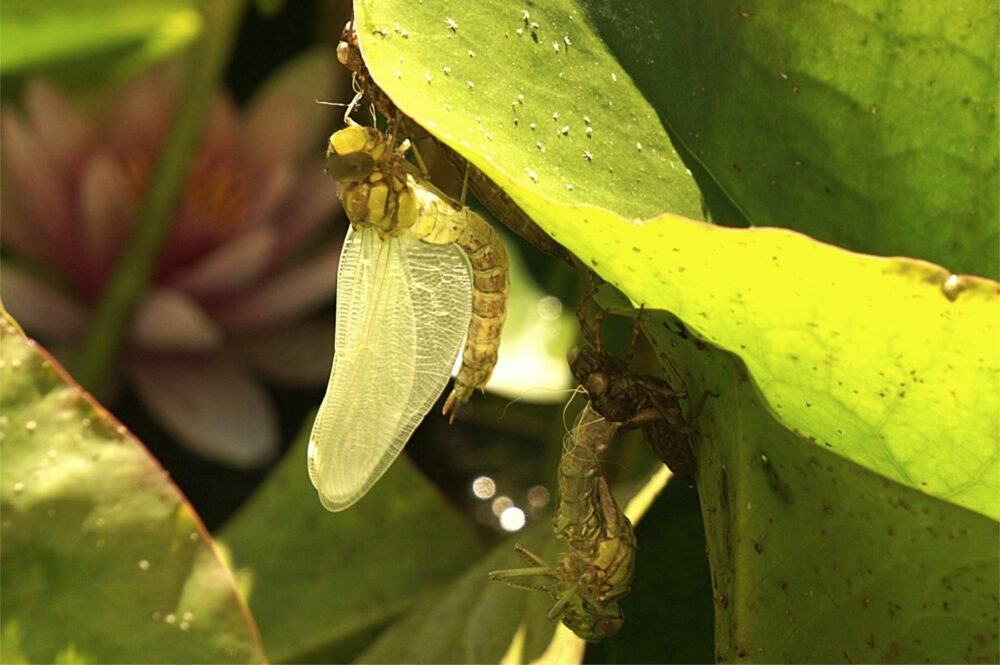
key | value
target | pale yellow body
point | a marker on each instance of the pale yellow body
(392, 201)
(416, 275)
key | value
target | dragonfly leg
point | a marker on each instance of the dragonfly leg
(530, 556)
(358, 96)
(465, 185)
(615, 594)
(591, 333)
(505, 575)
(636, 329)
(538, 567)
(561, 602)
(609, 509)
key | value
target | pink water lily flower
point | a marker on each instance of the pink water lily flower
(250, 259)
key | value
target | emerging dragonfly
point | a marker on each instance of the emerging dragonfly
(595, 573)
(416, 275)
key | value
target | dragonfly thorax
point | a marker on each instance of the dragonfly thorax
(387, 204)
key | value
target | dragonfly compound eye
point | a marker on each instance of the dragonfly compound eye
(353, 167)
(608, 626)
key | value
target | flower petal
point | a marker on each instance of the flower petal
(108, 208)
(313, 203)
(61, 129)
(284, 120)
(271, 191)
(39, 307)
(293, 357)
(231, 266)
(17, 233)
(35, 181)
(170, 320)
(211, 404)
(287, 296)
(140, 115)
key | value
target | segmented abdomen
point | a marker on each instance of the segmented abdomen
(601, 560)
(439, 223)
(579, 519)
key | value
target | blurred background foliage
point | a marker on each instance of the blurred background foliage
(193, 126)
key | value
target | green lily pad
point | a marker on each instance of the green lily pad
(873, 129)
(322, 584)
(875, 376)
(870, 126)
(103, 559)
(565, 124)
(816, 558)
(472, 620)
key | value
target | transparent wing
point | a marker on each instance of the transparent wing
(403, 307)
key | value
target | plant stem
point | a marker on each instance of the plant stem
(97, 355)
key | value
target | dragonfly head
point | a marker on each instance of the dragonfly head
(352, 153)
(594, 623)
